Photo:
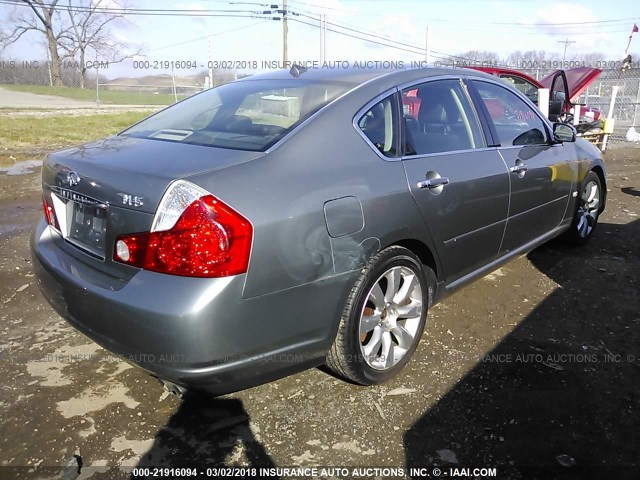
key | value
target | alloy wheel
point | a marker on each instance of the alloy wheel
(588, 208)
(390, 317)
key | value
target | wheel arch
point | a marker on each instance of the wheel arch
(422, 251)
(598, 170)
(427, 257)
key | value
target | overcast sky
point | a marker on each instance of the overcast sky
(455, 26)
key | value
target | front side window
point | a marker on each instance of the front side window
(379, 125)
(245, 115)
(515, 121)
(442, 119)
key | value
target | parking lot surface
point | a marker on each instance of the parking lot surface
(31, 100)
(537, 364)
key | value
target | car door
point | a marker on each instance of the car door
(558, 97)
(540, 171)
(459, 184)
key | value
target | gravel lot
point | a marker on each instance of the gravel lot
(535, 365)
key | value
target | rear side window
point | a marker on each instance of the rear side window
(245, 115)
(438, 117)
(515, 121)
(379, 125)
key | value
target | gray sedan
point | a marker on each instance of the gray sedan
(291, 219)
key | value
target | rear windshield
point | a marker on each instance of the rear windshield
(246, 115)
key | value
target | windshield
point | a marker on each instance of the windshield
(246, 115)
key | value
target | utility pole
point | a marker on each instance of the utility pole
(285, 33)
(566, 42)
(323, 34)
(426, 47)
(210, 65)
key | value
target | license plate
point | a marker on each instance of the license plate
(88, 226)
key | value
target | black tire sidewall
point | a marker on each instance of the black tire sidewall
(572, 234)
(392, 258)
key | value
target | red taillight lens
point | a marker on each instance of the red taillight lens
(131, 249)
(209, 239)
(49, 213)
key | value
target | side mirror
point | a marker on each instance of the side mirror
(563, 132)
(559, 96)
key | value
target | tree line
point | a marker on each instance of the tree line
(80, 31)
(530, 57)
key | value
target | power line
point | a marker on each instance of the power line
(360, 38)
(223, 12)
(209, 35)
(420, 51)
(474, 21)
(145, 12)
(414, 50)
(353, 29)
(520, 32)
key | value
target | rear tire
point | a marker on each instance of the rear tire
(383, 319)
(588, 207)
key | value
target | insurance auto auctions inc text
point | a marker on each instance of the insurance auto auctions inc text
(376, 472)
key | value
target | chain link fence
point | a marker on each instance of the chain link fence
(132, 82)
(598, 96)
(149, 82)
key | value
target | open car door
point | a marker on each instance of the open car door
(558, 97)
(576, 81)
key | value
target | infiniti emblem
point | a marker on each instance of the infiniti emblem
(73, 179)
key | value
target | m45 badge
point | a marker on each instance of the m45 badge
(131, 200)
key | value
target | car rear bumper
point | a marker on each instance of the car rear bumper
(194, 332)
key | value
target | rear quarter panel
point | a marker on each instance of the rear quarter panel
(283, 194)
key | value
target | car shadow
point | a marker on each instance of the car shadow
(631, 191)
(207, 431)
(558, 397)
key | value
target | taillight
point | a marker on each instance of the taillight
(49, 213)
(193, 234)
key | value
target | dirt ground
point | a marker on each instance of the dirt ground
(533, 370)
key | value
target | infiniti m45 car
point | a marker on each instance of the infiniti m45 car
(289, 220)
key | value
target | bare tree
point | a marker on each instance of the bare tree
(91, 37)
(44, 18)
(590, 59)
(73, 30)
(483, 57)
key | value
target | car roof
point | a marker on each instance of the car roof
(359, 76)
(507, 71)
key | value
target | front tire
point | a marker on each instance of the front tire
(588, 208)
(383, 319)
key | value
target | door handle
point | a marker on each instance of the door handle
(433, 182)
(519, 167)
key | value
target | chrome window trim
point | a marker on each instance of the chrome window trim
(448, 152)
(355, 88)
(473, 107)
(356, 119)
(435, 78)
(513, 147)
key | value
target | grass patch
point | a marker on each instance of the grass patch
(111, 97)
(29, 137)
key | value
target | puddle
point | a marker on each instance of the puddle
(22, 168)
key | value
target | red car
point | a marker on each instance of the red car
(565, 87)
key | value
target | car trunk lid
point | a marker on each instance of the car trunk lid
(131, 172)
(105, 189)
